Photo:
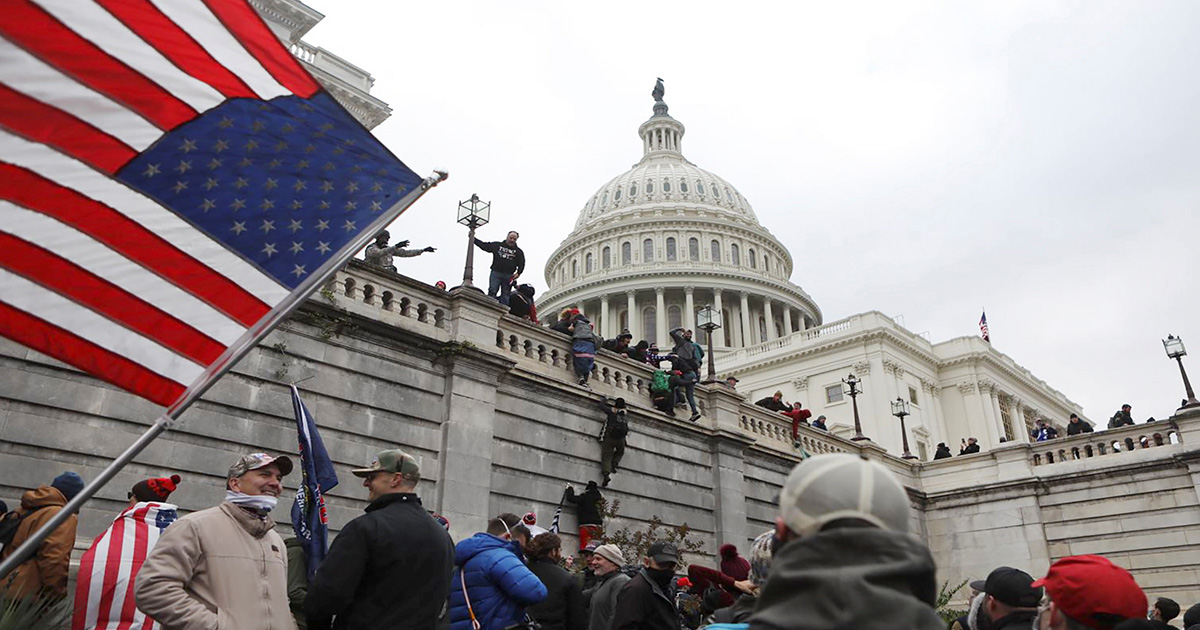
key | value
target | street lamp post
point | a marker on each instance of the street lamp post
(472, 213)
(900, 409)
(852, 383)
(1175, 350)
(706, 320)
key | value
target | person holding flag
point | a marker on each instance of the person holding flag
(104, 589)
(389, 568)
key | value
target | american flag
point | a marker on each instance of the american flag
(172, 182)
(107, 572)
(983, 329)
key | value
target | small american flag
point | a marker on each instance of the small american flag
(983, 328)
(172, 183)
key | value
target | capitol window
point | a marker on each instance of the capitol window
(647, 250)
(700, 187)
(606, 258)
(716, 251)
(574, 268)
(833, 394)
(767, 264)
(734, 256)
(617, 195)
(670, 249)
(693, 249)
(649, 187)
(682, 186)
(727, 196)
(604, 201)
(674, 317)
(666, 185)
(753, 261)
(626, 253)
(649, 323)
(912, 395)
(587, 265)
(633, 190)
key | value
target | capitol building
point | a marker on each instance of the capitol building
(665, 238)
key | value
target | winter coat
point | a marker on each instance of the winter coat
(1042, 434)
(603, 599)
(1075, 428)
(844, 577)
(563, 326)
(740, 612)
(774, 405)
(943, 452)
(819, 424)
(389, 568)
(584, 331)
(222, 567)
(498, 583)
(1020, 620)
(685, 350)
(563, 608)
(642, 605)
(969, 449)
(588, 505)
(505, 258)
(1120, 419)
(47, 568)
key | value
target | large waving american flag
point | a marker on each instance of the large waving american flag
(172, 182)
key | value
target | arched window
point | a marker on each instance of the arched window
(700, 187)
(626, 253)
(693, 249)
(767, 264)
(649, 187)
(574, 268)
(617, 195)
(753, 260)
(647, 250)
(682, 185)
(604, 201)
(670, 248)
(587, 266)
(716, 251)
(633, 189)
(649, 324)
(606, 257)
(666, 185)
(734, 255)
(674, 317)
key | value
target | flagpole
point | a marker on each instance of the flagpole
(217, 369)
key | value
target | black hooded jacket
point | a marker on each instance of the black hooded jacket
(861, 578)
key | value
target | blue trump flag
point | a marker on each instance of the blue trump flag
(317, 477)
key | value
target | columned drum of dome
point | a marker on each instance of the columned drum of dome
(665, 238)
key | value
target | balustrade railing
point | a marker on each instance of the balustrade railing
(387, 297)
(1105, 443)
(777, 429)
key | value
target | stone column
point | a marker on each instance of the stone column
(689, 316)
(787, 320)
(606, 327)
(747, 334)
(635, 324)
(719, 334)
(999, 417)
(660, 317)
(770, 317)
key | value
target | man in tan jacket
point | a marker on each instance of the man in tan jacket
(224, 567)
(45, 573)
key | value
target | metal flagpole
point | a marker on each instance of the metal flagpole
(218, 368)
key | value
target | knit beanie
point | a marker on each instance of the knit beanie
(157, 489)
(68, 483)
(760, 557)
(732, 564)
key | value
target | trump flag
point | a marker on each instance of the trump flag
(317, 477)
(172, 183)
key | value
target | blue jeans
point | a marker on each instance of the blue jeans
(689, 387)
(500, 281)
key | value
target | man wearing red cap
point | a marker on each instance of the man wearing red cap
(104, 590)
(1088, 592)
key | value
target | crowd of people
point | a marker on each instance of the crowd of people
(841, 555)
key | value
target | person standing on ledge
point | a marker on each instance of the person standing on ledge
(380, 255)
(508, 263)
(969, 446)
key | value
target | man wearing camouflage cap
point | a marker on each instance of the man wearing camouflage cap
(225, 566)
(389, 568)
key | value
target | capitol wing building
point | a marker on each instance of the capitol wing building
(665, 238)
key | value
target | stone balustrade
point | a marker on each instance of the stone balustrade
(389, 298)
(775, 431)
(1104, 443)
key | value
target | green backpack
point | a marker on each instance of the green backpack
(660, 383)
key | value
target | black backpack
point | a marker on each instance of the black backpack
(618, 425)
(9, 524)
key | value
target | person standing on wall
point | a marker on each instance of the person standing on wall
(508, 263)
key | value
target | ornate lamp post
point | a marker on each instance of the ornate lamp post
(900, 409)
(472, 213)
(1175, 350)
(853, 383)
(706, 320)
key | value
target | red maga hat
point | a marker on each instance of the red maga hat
(1094, 591)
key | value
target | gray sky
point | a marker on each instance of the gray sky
(1038, 159)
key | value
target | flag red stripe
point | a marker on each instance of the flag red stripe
(176, 44)
(83, 585)
(49, 125)
(45, 37)
(248, 27)
(130, 239)
(34, 332)
(112, 564)
(82, 286)
(141, 540)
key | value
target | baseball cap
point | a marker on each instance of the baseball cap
(1093, 591)
(834, 486)
(1010, 586)
(392, 461)
(612, 553)
(662, 551)
(254, 461)
(590, 547)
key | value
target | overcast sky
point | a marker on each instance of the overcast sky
(1038, 159)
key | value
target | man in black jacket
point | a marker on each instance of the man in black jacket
(1076, 425)
(647, 602)
(508, 262)
(1011, 601)
(589, 512)
(612, 439)
(389, 568)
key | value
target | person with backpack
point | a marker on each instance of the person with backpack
(612, 440)
(662, 391)
(584, 342)
(45, 572)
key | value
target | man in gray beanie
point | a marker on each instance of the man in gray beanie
(844, 556)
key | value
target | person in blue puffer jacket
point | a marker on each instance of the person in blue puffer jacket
(499, 585)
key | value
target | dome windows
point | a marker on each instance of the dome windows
(666, 185)
(649, 186)
(647, 250)
(574, 268)
(588, 265)
(604, 201)
(734, 255)
(606, 257)
(674, 317)
(617, 195)
(753, 260)
(693, 249)
(633, 189)
(671, 253)
(716, 250)
(700, 187)
(626, 253)
(683, 185)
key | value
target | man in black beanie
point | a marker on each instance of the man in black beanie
(612, 437)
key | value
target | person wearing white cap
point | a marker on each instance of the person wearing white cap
(225, 566)
(606, 563)
(845, 553)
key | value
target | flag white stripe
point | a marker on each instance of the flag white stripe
(213, 37)
(77, 176)
(96, 586)
(96, 257)
(97, 25)
(27, 74)
(41, 302)
(121, 584)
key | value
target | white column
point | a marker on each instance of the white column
(635, 324)
(787, 320)
(660, 318)
(689, 317)
(747, 334)
(606, 328)
(719, 334)
(770, 317)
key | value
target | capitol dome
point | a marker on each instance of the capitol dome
(667, 237)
